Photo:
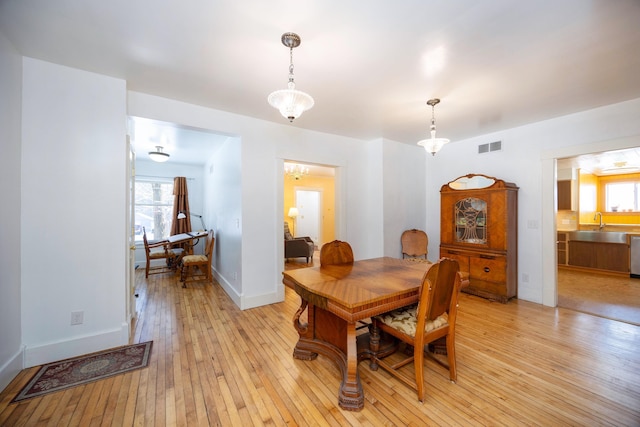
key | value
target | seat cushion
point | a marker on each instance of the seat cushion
(159, 254)
(405, 320)
(194, 259)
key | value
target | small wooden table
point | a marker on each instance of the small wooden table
(336, 297)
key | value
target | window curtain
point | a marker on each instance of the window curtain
(180, 204)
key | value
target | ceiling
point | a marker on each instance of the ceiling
(371, 66)
(608, 163)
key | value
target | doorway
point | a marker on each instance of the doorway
(315, 199)
(308, 223)
(549, 173)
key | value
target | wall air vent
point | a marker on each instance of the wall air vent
(490, 147)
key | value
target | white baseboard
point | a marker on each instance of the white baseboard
(246, 303)
(76, 346)
(9, 370)
(264, 299)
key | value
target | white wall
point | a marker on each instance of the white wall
(73, 230)
(522, 161)
(404, 194)
(223, 198)
(10, 219)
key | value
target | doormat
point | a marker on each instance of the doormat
(85, 369)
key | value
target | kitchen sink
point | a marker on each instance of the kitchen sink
(599, 236)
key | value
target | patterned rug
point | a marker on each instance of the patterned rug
(84, 369)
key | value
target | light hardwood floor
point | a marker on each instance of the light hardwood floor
(213, 364)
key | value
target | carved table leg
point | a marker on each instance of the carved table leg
(305, 331)
(351, 396)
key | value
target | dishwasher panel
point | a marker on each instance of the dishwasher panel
(634, 254)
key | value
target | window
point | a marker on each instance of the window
(154, 209)
(622, 196)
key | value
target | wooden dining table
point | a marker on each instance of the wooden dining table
(336, 297)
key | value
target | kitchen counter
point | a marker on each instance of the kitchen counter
(606, 251)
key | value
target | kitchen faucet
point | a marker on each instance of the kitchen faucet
(595, 216)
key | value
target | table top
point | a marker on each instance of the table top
(177, 238)
(362, 289)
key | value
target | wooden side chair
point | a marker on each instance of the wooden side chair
(198, 267)
(157, 250)
(433, 318)
(336, 252)
(414, 243)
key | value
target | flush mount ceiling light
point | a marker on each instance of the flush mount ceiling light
(158, 155)
(291, 102)
(433, 144)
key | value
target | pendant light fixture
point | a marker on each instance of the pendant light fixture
(159, 155)
(291, 102)
(433, 144)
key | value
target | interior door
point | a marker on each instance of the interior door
(308, 220)
(131, 237)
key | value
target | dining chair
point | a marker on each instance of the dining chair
(433, 318)
(156, 251)
(198, 267)
(336, 252)
(414, 243)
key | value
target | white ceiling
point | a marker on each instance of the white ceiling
(371, 66)
(183, 144)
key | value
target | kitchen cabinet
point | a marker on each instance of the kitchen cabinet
(563, 248)
(599, 255)
(478, 227)
(566, 199)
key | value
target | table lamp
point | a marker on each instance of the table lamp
(182, 215)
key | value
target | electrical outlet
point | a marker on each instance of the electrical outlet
(77, 317)
(525, 278)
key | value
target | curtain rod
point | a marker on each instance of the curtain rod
(161, 177)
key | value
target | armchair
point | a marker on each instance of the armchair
(295, 247)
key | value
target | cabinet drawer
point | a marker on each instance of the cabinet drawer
(463, 260)
(484, 287)
(488, 269)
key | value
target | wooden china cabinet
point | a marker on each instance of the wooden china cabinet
(478, 227)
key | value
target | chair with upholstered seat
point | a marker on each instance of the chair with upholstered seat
(198, 267)
(433, 318)
(295, 247)
(336, 252)
(414, 243)
(158, 250)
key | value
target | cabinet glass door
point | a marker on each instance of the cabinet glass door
(471, 220)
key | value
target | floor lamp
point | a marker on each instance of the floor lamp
(293, 214)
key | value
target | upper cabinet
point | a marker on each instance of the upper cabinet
(567, 190)
(565, 196)
(478, 227)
